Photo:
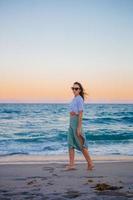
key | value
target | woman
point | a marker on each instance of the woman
(76, 137)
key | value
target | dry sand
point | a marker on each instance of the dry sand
(45, 177)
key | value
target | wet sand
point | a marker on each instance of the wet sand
(48, 179)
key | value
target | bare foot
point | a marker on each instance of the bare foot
(70, 167)
(90, 166)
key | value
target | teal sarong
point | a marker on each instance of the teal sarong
(72, 138)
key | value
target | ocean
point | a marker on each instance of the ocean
(41, 129)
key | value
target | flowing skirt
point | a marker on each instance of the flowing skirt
(73, 139)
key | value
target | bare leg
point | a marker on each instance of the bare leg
(88, 158)
(71, 156)
(71, 159)
(86, 154)
(81, 140)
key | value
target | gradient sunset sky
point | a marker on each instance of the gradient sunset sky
(46, 45)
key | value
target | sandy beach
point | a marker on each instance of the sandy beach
(45, 177)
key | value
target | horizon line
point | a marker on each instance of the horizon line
(119, 102)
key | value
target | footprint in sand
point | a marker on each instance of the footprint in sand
(31, 182)
(72, 194)
(50, 169)
(55, 175)
(49, 183)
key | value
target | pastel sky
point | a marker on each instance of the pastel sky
(46, 45)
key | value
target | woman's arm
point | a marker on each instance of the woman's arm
(79, 122)
(80, 107)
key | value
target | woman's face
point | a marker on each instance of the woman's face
(76, 89)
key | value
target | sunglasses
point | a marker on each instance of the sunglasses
(75, 88)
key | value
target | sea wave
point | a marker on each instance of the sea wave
(43, 128)
(60, 138)
(109, 119)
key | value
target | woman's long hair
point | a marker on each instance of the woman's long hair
(82, 92)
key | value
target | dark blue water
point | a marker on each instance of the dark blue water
(42, 128)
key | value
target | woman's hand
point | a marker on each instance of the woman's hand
(78, 131)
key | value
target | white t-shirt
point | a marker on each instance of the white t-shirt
(77, 104)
